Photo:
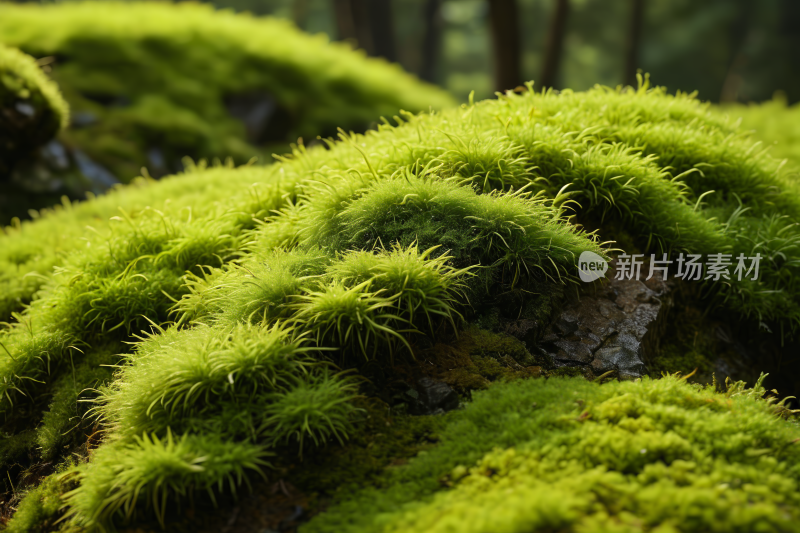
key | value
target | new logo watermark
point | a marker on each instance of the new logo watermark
(691, 267)
(591, 267)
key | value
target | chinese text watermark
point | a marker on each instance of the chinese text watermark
(689, 267)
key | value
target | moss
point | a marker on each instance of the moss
(465, 379)
(674, 359)
(41, 507)
(489, 320)
(569, 455)
(383, 439)
(688, 344)
(156, 77)
(16, 447)
(64, 423)
(565, 371)
(32, 106)
(300, 271)
(498, 345)
(775, 123)
(24, 82)
(478, 357)
(543, 305)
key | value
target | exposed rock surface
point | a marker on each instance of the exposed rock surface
(431, 397)
(612, 325)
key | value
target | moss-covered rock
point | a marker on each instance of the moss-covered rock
(32, 109)
(32, 112)
(364, 256)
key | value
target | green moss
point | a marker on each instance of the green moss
(32, 108)
(478, 357)
(22, 81)
(383, 439)
(775, 123)
(158, 76)
(565, 371)
(488, 343)
(16, 447)
(64, 422)
(672, 359)
(41, 507)
(315, 264)
(489, 320)
(570, 455)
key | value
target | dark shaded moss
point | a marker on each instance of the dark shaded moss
(479, 356)
(384, 438)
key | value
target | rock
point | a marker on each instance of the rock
(158, 163)
(100, 178)
(431, 397)
(82, 119)
(54, 154)
(615, 326)
(26, 109)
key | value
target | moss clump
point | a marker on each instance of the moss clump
(33, 108)
(24, 82)
(152, 82)
(566, 371)
(31, 250)
(478, 357)
(569, 455)
(64, 424)
(15, 447)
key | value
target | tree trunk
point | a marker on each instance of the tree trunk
(300, 13)
(504, 16)
(633, 42)
(555, 43)
(369, 23)
(790, 33)
(345, 25)
(432, 42)
(738, 37)
(381, 22)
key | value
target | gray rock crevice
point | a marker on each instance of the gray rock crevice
(610, 325)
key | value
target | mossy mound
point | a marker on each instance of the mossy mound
(775, 123)
(31, 249)
(363, 256)
(150, 83)
(32, 108)
(569, 455)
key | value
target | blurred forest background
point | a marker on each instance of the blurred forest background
(727, 50)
